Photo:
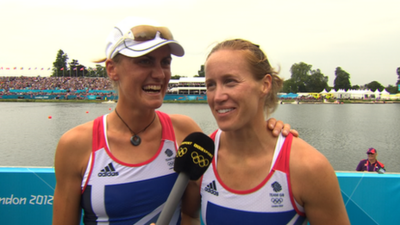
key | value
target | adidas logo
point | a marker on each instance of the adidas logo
(212, 188)
(108, 171)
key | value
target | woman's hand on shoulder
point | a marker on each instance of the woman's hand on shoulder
(277, 126)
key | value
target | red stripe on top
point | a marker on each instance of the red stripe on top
(212, 136)
(283, 165)
(165, 120)
(242, 192)
(282, 162)
(98, 140)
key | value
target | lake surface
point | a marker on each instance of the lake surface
(343, 133)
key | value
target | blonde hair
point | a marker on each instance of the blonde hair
(117, 59)
(259, 66)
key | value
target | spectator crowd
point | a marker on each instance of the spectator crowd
(70, 84)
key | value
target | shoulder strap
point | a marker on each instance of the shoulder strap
(167, 127)
(282, 162)
(212, 136)
(98, 140)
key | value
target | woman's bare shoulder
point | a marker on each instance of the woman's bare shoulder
(183, 126)
(72, 153)
(77, 139)
(315, 185)
(305, 159)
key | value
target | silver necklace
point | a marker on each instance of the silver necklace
(135, 139)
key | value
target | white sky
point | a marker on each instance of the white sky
(360, 36)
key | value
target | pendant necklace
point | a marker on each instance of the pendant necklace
(135, 139)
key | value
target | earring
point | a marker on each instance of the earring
(114, 78)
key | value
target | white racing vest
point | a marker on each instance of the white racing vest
(271, 202)
(114, 192)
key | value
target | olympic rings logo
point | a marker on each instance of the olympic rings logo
(199, 159)
(182, 151)
(277, 200)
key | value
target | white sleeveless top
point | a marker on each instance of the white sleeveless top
(114, 192)
(271, 202)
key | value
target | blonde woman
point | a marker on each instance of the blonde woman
(256, 177)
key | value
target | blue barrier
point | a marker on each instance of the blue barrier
(371, 198)
(175, 97)
(26, 196)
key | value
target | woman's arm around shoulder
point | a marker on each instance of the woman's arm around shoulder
(315, 185)
(71, 158)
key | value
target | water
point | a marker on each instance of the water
(343, 133)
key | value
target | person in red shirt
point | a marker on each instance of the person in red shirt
(371, 164)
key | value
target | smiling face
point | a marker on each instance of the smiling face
(235, 98)
(143, 80)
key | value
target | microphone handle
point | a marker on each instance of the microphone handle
(173, 199)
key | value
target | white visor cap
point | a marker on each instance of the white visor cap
(121, 40)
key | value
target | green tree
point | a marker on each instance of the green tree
(74, 63)
(175, 77)
(392, 89)
(304, 79)
(300, 73)
(76, 69)
(342, 80)
(316, 82)
(289, 86)
(355, 87)
(90, 72)
(375, 85)
(201, 71)
(398, 75)
(99, 71)
(61, 62)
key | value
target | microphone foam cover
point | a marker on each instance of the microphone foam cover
(194, 155)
